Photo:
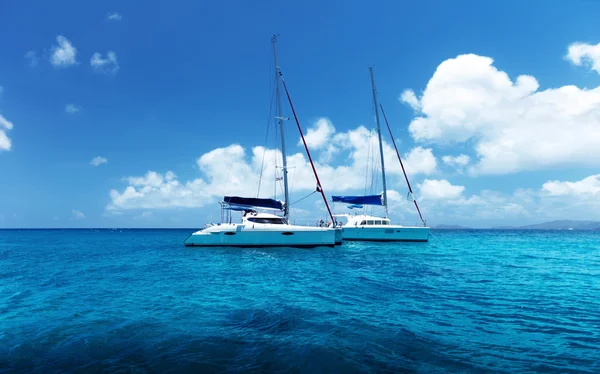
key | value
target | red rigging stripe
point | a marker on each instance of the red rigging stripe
(319, 186)
(401, 164)
(419, 210)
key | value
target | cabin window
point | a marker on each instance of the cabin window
(363, 223)
(378, 222)
(385, 222)
(369, 222)
(274, 221)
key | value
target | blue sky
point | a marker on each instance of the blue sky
(188, 78)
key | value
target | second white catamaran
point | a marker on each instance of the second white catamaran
(363, 227)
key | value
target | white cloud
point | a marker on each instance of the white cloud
(143, 215)
(586, 186)
(434, 189)
(114, 17)
(319, 135)
(419, 160)
(443, 202)
(230, 170)
(31, 57)
(512, 125)
(5, 142)
(97, 161)
(409, 97)
(72, 108)
(108, 65)
(457, 162)
(64, 54)
(78, 214)
(585, 54)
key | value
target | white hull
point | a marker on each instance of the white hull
(380, 229)
(248, 235)
(339, 235)
(390, 233)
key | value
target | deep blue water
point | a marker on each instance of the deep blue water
(139, 301)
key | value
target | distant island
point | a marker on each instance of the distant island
(552, 225)
(451, 227)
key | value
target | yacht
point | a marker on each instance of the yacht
(267, 229)
(259, 229)
(364, 227)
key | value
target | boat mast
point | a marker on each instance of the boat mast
(280, 118)
(402, 165)
(385, 202)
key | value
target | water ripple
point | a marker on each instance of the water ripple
(138, 301)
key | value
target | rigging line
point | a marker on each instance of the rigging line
(402, 165)
(275, 154)
(369, 157)
(319, 186)
(262, 164)
(293, 180)
(390, 208)
(305, 197)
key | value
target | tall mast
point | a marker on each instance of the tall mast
(385, 201)
(280, 118)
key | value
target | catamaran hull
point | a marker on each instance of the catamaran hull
(257, 238)
(386, 234)
(339, 235)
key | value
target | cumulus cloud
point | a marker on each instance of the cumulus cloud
(419, 160)
(97, 161)
(77, 214)
(585, 54)
(460, 160)
(586, 186)
(443, 202)
(512, 125)
(64, 54)
(434, 189)
(5, 142)
(319, 135)
(409, 97)
(114, 17)
(108, 65)
(32, 58)
(144, 216)
(457, 162)
(233, 170)
(72, 108)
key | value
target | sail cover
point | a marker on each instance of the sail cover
(360, 200)
(253, 202)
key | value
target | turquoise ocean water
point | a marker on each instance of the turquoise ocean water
(139, 301)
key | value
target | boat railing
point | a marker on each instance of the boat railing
(311, 222)
(408, 224)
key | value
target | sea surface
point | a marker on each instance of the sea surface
(138, 301)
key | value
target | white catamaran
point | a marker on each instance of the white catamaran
(365, 227)
(259, 229)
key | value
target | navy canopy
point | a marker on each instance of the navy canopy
(254, 202)
(366, 200)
